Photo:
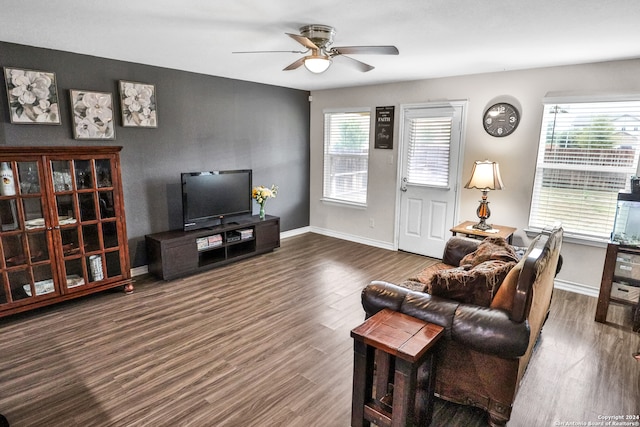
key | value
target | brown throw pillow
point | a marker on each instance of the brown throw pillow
(504, 296)
(477, 285)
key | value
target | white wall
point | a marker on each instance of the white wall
(515, 153)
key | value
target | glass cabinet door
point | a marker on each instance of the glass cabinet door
(26, 267)
(85, 208)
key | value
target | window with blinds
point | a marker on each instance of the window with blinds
(346, 156)
(429, 140)
(588, 151)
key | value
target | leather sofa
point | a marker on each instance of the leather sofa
(486, 349)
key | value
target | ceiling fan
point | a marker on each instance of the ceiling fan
(318, 40)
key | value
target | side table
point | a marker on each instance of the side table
(406, 343)
(467, 229)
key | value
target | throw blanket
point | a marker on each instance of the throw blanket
(476, 280)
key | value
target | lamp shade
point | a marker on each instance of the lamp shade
(485, 176)
(317, 63)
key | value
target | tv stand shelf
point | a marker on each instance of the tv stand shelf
(176, 253)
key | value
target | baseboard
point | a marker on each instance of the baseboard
(578, 288)
(565, 285)
(139, 271)
(352, 238)
(295, 232)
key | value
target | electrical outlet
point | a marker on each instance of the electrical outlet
(371, 223)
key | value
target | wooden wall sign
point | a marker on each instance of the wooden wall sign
(384, 127)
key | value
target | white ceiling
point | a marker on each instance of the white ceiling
(435, 38)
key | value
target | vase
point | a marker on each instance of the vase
(262, 214)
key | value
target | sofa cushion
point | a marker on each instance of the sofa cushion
(476, 285)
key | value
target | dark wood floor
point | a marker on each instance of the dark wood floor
(265, 342)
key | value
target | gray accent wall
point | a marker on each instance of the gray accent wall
(204, 123)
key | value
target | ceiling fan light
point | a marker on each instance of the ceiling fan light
(317, 64)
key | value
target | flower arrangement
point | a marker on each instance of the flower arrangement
(261, 194)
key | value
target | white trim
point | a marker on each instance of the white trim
(578, 288)
(139, 271)
(295, 232)
(344, 203)
(352, 238)
(574, 238)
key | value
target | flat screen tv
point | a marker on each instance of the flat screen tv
(209, 198)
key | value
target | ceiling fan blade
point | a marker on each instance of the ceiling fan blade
(366, 50)
(354, 62)
(294, 65)
(303, 41)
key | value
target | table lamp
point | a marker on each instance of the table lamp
(485, 176)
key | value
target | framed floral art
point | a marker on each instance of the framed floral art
(138, 104)
(33, 96)
(92, 115)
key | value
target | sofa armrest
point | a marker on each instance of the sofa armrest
(457, 248)
(490, 331)
(380, 295)
(482, 329)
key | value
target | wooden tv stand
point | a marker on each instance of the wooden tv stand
(177, 253)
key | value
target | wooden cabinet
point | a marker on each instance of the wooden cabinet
(177, 253)
(62, 225)
(620, 281)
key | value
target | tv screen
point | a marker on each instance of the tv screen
(209, 197)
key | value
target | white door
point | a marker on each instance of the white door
(431, 138)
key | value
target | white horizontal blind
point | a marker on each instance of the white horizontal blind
(428, 151)
(588, 152)
(346, 156)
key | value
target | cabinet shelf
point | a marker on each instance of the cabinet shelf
(210, 248)
(622, 301)
(176, 253)
(627, 281)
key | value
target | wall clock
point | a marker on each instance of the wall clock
(501, 119)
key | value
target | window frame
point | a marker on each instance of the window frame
(327, 195)
(577, 234)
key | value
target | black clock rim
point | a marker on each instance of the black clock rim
(484, 117)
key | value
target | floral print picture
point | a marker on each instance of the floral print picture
(138, 104)
(92, 115)
(33, 96)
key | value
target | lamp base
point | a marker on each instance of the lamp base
(483, 213)
(482, 225)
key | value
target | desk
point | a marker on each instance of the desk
(466, 229)
(403, 345)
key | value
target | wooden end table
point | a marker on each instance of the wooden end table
(467, 229)
(399, 345)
